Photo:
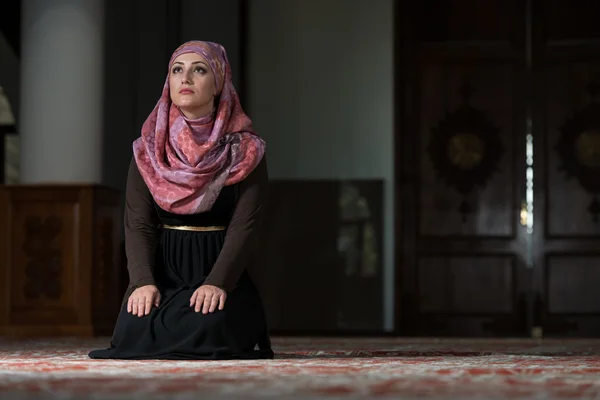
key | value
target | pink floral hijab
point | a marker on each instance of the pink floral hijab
(185, 163)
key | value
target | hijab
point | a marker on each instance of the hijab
(185, 163)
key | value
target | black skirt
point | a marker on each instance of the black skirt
(174, 330)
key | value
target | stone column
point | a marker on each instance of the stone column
(61, 91)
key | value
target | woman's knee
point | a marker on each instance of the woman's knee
(213, 320)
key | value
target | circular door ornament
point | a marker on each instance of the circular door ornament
(587, 148)
(465, 150)
(578, 148)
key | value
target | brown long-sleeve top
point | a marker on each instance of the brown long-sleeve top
(242, 238)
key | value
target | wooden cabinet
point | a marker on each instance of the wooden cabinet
(59, 260)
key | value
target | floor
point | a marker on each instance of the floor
(307, 368)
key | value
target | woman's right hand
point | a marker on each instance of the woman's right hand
(142, 299)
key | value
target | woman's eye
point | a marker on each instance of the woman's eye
(200, 70)
(176, 70)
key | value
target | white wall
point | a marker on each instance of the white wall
(320, 86)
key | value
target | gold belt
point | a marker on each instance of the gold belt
(194, 228)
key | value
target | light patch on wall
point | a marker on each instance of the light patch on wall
(6, 114)
(11, 141)
(11, 160)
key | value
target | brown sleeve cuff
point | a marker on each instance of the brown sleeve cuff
(217, 282)
(141, 276)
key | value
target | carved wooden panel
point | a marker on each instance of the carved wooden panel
(466, 20)
(572, 120)
(572, 20)
(106, 291)
(545, 87)
(43, 240)
(572, 284)
(55, 262)
(567, 167)
(449, 284)
(2, 154)
(466, 143)
(461, 176)
(105, 250)
(5, 258)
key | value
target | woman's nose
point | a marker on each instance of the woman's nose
(186, 78)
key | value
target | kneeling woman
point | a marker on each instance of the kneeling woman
(194, 203)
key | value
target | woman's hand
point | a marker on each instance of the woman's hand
(207, 298)
(142, 299)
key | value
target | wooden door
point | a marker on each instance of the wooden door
(566, 123)
(462, 117)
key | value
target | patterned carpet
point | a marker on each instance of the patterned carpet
(313, 368)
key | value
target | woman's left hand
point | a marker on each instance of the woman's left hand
(207, 298)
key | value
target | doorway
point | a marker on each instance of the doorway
(498, 150)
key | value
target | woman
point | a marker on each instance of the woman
(194, 204)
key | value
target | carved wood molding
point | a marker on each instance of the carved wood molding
(578, 148)
(466, 149)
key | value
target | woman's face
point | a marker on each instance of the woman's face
(192, 85)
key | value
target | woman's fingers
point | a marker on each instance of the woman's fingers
(207, 303)
(140, 305)
(199, 300)
(207, 299)
(134, 306)
(222, 299)
(148, 305)
(142, 300)
(214, 302)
